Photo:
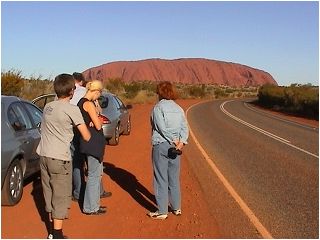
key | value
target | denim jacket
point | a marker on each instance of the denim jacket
(168, 123)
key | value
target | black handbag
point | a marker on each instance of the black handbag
(95, 146)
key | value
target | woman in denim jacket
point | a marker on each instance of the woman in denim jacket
(169, 130)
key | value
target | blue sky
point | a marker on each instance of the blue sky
(49, 38)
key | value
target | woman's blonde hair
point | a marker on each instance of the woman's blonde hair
(94, 85)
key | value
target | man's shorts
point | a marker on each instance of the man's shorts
(56, 179)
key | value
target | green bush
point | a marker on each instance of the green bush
(297, 99)
(271, 95)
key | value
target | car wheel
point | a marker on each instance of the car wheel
(115, 138)
(128, 128)
(12, 189)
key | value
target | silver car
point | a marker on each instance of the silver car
(115, 117)
(20, 136)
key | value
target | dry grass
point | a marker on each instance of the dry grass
(143, 96)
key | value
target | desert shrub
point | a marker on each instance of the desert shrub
(148, 86)
(142, 96)
(239, 94)
(115, 85)
(297, 99)
(271, 95)
(35, 87)
(220, 93)
(197, 91)
(253, 90)
(11, 83)
(132, 89)
(230, 90)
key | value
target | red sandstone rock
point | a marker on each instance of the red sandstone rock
(188, 70)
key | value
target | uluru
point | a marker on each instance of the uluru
(185, 70)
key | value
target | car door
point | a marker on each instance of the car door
(42, 100)
(26, 134)
(123, 113)
(36, 116)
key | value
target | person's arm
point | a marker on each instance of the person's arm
(184, 133)
(98, 107)
(84, 131)
(159, 124)
(91, 109)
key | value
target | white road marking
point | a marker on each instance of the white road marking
(263, 131)
(250, 125)
(278, 118)
(247, 211)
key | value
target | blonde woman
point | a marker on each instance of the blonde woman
(93, 150)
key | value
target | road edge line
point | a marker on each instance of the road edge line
(266, 133)
(247, 211)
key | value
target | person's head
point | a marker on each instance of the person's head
(79, 78)
(166, 90)
(94, 89)
(64, 85)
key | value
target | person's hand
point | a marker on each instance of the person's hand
(179, 145)
(176, 142)
(98, 108)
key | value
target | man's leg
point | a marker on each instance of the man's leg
(57, 229)
(61, 182)
(47, 192)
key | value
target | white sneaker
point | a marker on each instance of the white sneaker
(177, 212)
(157, 215)
(50, 236)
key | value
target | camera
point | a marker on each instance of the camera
(173, 152)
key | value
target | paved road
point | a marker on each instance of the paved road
(272, 164)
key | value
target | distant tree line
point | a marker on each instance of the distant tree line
(13, 83)
(296, 99)
(136, 89)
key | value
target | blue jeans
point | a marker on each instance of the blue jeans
(166, 178)
(91, 201)
(78, 173)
